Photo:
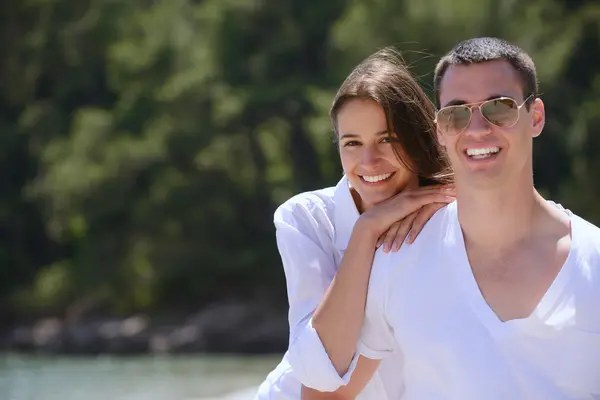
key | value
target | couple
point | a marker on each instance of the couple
(498, 297)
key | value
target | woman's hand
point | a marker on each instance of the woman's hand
(410, 226)
(406, 213)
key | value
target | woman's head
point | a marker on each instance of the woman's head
(383, 122)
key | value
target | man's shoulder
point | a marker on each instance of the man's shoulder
(585, 254)
(436, 233)
(586, 236)
(585, 243)
(399, 273)
(439, 226)
(316, 205)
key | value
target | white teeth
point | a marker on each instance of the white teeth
(376, 178)
(482, 152)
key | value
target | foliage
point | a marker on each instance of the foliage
(146, 144)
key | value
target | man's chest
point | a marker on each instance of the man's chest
(448, 333)
(515, 284)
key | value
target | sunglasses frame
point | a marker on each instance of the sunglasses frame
(478, 105)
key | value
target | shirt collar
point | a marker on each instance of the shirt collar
(345, 213)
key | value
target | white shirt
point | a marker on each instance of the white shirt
(313, 230)
(424, 300)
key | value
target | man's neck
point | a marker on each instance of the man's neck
(496, 219)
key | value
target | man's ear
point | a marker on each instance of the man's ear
(538, 116)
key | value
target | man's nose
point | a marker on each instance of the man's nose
(478, 125)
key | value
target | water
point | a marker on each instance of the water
(137, 378)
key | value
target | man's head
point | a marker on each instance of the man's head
(478, 50)
(488, 141)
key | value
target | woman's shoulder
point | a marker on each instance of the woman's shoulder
(315, 206)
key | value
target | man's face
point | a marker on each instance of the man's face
(484, 155)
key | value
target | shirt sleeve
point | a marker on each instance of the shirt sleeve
(309, 271)
(377, 339)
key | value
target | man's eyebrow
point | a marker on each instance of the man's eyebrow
(454, 102)
(458, 102)
(354, 136)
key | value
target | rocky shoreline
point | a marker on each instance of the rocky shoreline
(242, 328)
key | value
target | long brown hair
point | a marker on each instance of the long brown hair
(384, 78)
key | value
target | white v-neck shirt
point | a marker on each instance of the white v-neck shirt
(313, 230)
(424, 301)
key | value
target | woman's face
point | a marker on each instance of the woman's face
(367, 153)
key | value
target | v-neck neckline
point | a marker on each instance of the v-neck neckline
(477, 301)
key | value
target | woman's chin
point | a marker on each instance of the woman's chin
(369, 201)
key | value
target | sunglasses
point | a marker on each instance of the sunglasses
(502, 112)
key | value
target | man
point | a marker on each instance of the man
(506, 304)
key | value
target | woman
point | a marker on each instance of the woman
(384, 128)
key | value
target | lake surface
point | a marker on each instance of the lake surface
(136, 378)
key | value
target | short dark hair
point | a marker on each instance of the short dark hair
(384, 78)
(484, 49)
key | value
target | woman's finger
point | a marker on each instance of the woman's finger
(403, 231)
(390, 235)
(421, 218)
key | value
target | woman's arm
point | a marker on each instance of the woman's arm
(323, 342)
(365, 368)
(309, 270)
(339, 317)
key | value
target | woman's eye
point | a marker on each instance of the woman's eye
(389, 139)
(351, 143)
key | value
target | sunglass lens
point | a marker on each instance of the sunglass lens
(453, 120)
(501, 112)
